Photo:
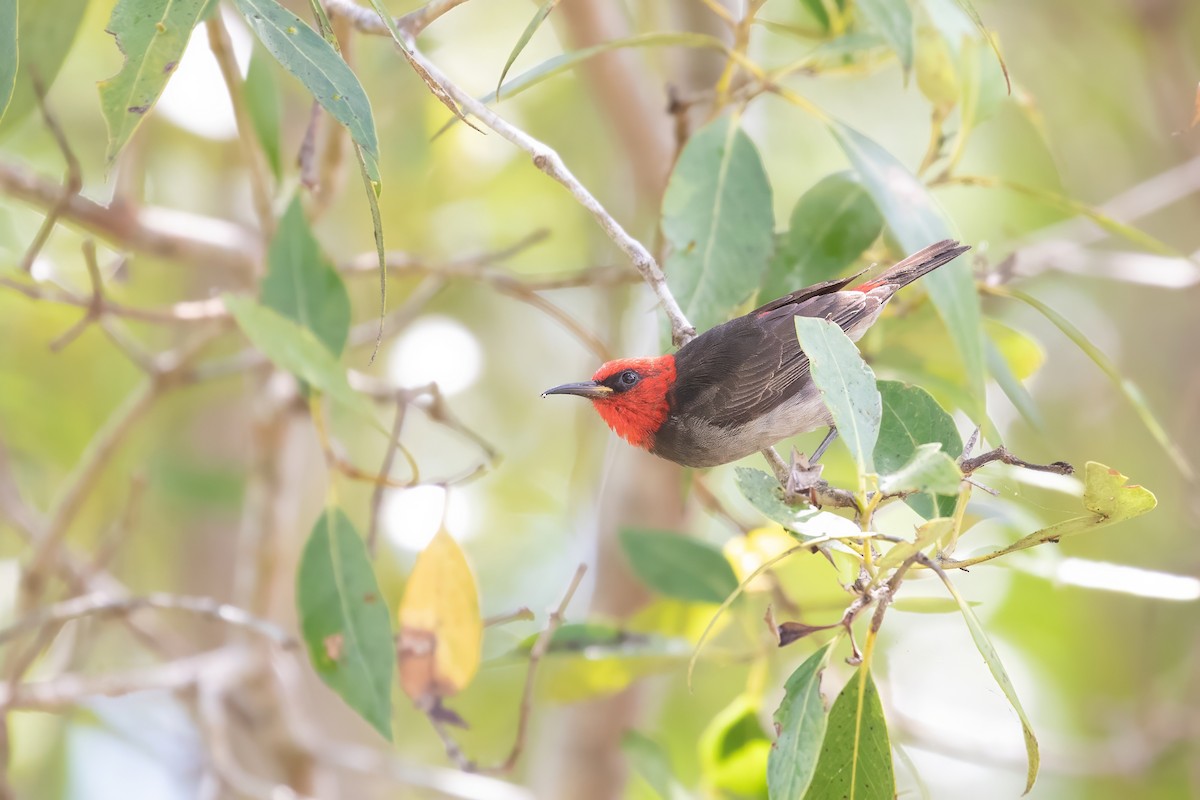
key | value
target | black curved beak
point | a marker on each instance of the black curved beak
(589, 389)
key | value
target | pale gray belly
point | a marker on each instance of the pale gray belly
(695, 443)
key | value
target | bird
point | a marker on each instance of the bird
(744, 385)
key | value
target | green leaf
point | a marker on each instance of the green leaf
(1106, 497)
(929, 470)
(8, 52)
(717, 217)
(538, 18)
(371, 190)
(916, 221)
(344, 619)
(297, 350)
(734, 751)
(262, 101)
(45, 30)
(152, 34)
(893, 19)
(650, 760)
(302, 52)
(819, 10)
(986, 649)
(302, 285)
(598, 668)
(679, 566)
(1127, 387)
(831, 225)
(933, 531)
(801, 722)
(856, 758)
(577, 636)
(911, 418)
(937, 74)
(765, 494)
(957, 21)
(847, 387)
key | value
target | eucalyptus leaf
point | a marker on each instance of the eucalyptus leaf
(539, 17)
(800, 720)
(916, 221)
(301, 283)
(929, 470)
(986, 649)
(45, 31)
(847, 387)
(911, 418)
(262, 101)
(297, 349)
(679, 566)
(856, 757)
(313, 61)
(718, 218)
(893, 20)
(153, 35)
(831, 225)
(9, 49)
(650, 760)
(344, 620)
(764, 493)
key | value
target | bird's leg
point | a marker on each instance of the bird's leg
(828, 440)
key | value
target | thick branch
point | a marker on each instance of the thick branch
(174, 235)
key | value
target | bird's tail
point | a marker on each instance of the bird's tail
(916, 266)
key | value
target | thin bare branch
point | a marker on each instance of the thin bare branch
(385, 469)
(256, 161)
(411, 24)
(1001, 454)
(536, 654)
(100, 604)
(72, 185)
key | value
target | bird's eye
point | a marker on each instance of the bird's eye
(629, 377)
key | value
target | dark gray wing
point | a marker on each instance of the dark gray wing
(748, 366)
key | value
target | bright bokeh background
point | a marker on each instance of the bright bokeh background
(1105, 95)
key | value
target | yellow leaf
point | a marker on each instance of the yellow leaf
(441, 631)
(748, 553)
(937, 76)
(1105, 492)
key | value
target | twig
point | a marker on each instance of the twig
(365, 20)
(536, 654)
(99, 604)
(72, 185)
(1001, 454)
(256, 162)
(95, 306)
(522, 614)
(306, 158)
(187, 311)
(386, 469)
